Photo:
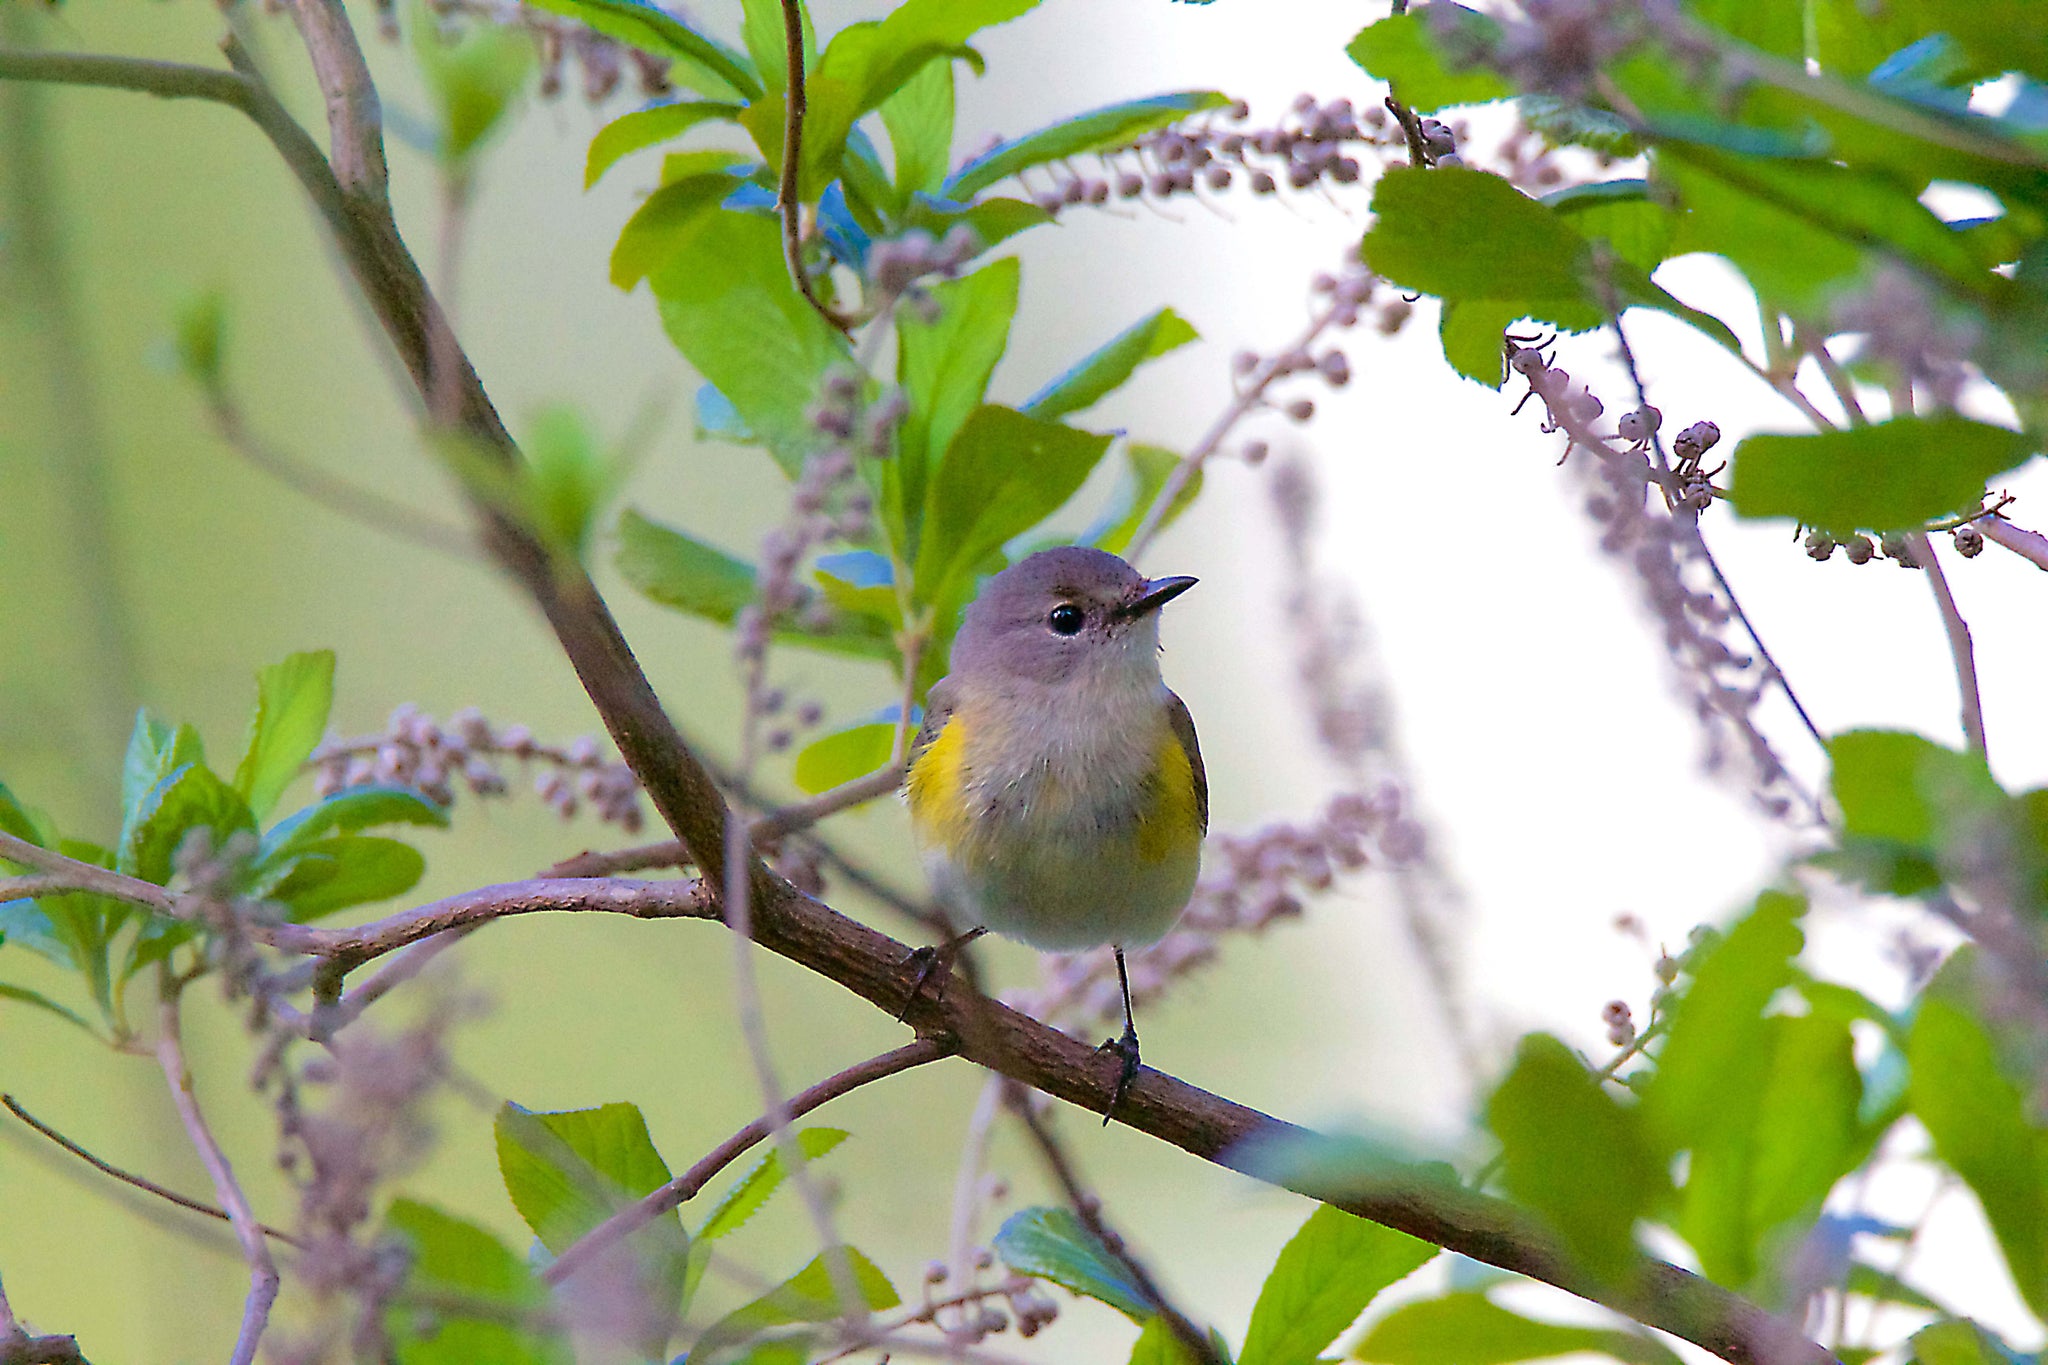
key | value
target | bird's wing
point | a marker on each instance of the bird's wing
(1184, 730)
(938, 708)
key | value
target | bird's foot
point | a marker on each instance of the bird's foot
(1126, 1050)
(928, 959)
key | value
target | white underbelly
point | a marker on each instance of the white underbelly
(1067, 893)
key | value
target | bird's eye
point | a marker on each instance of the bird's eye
(1066, 619)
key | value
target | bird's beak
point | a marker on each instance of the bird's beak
(1158, 592)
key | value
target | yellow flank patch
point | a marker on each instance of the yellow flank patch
(1170, 825)
(936, 785)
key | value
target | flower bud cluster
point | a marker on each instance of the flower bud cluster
(1663, 549)
(418, 752)
(1556, 46)
(1315, 144)
(970, 1314)
(895, 266)
(1250, 882)
(1908, 333)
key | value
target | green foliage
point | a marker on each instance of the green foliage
(1158, 1345)
(1146, 470)
(473, 75)
(1106, 368)
(1467, 1328)
(293, 698)
(842, 755)
(1894, 475)
(698, 61)
(567, 1172)
(199, 333)
(759, 1184)
(483, 1291)
(1101, 130)
(648, 127)
(1053, 1244)
(810, 1295)
(1575, 1154)
(1325, 1277)
(1979, 1122)
(1403, 51)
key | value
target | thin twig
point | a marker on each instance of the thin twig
(1088, 1209)
(170, 1053)
(140, 1182)
(789, 193)
(2031, 546)
(1837, 378)
(1961, 651)
(884, 781)
(1246, 400)
(74, 875)
(686, 1186)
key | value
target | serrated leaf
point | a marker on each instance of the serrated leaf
(346, 812)
(1099, 130)
(293, 699)
(1326, 1275)
(1053, 1244)
(1978, 1120)
(1622, 213)
(1472, 333)
(746, 329)
(648, 127)
(154, 749)
(1106, 368)
(702, 63)
(470, 1270)
(1470, 1329)
(1408, 52)
(810, 1295)
(188, 798)
(1575, 1154)
(754, 1189)
(1890, 476)
(1002, 475)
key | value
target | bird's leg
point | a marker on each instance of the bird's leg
(929, 959)
(1125, 1047)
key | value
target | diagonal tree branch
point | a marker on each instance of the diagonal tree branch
(870, 964)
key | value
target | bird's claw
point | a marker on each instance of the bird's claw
(1126, 1050)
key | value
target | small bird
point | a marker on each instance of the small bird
(1056, 789)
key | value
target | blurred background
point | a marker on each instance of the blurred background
(142, 563)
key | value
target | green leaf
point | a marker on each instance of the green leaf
(567, 1172)
(1885, 1287)
(327, 875)
(660, 227)
(187, 798)
(919, 118)
(1472, 332)
(1101, 130)
(1404, 52)
(763, 32)
(1564, 124)
(861, 582)
(1053, 1244)
(154, 749)
(481, 1289)
(26, 924)
(1575, 1154)
(345, 812)
(473, 76)
(1903, 788)
(25, 996)
(1327, 1274)
(746, 329)
(1958, 1342)
(15, 819)
(1002, 475)
(1109, 365)
(1146, 470)
(1621, 213)
(991, 220)
(807, 1296)
(1887, 477)
(200, 330)
(1157, 1345)
(648, 127)
(753, 1189)
(293, 699)
(1470, 1329)
(843, 755)
(1716, 1046)
(1978, 1121)
(569, 477)
(683, 572)
(866, 63)
(701, 63)
(944, 366)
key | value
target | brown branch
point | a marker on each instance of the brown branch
(1089, 1210)
(868, 963)
(686, 1186)
(140, 1182)
(70, 874)
(789, 202)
